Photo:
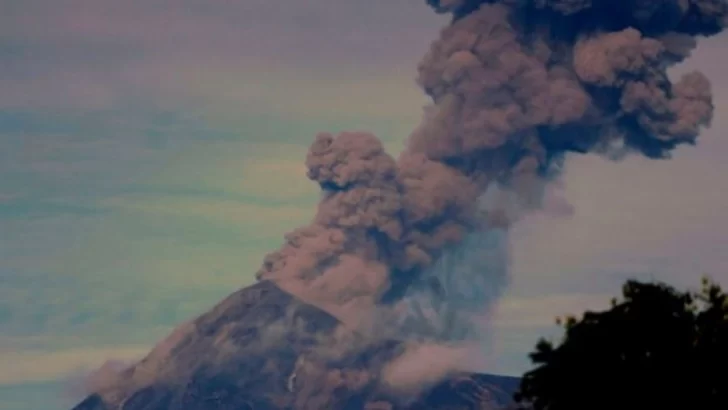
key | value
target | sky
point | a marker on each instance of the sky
(151, 153)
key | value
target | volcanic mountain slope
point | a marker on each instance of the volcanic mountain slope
(261, 348)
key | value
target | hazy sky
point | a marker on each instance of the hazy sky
(152, 153)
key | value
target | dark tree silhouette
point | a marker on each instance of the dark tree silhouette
(656, 348)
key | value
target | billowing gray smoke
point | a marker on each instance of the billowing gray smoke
(515, 85)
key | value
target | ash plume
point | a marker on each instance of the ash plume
(515, 85)
(396, 274)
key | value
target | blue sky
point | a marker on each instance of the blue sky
(152, 153)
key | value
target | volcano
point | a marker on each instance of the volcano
(262, 348)
(516, 87)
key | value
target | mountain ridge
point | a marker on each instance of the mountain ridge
(263, 348)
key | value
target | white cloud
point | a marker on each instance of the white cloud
(538, 312)
(27, 366)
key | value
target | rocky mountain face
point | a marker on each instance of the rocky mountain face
(262, 348)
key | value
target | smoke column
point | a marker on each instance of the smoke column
(515, 85)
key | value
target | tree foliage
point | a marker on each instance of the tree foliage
(655, 348)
